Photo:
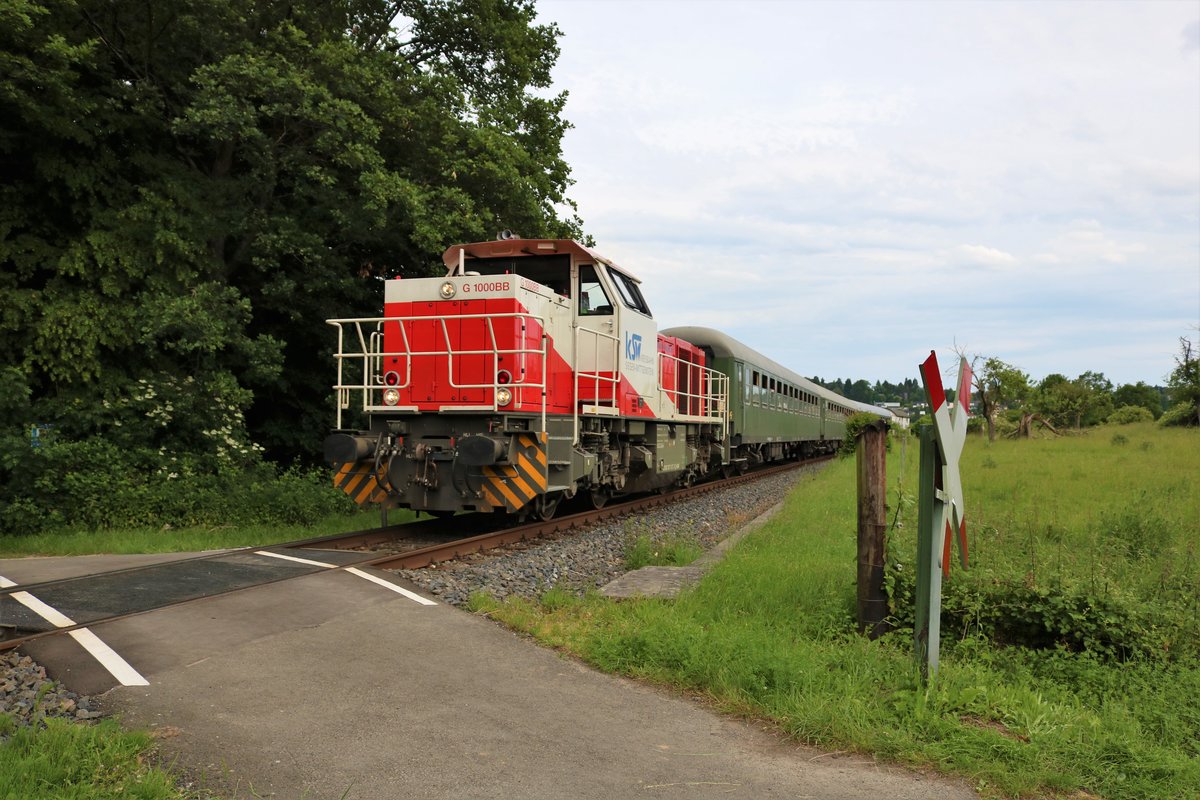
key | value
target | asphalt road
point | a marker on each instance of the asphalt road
(330, 686)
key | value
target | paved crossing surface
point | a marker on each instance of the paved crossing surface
(331, 686)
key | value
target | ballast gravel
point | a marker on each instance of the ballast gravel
(30, 697)
(580, 561)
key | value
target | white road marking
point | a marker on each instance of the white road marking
(387, 584)
(108, 658)
(354, 570)
(51, 615)
(293, 558)
(118, 667)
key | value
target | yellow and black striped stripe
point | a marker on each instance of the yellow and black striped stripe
(358, 480)
(513, 485)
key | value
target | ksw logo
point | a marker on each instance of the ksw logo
(633, 346)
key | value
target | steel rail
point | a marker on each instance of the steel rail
(416, 559)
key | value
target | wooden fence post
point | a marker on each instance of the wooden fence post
(872, 528)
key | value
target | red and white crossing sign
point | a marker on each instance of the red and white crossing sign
(950, 426)
(941, 510)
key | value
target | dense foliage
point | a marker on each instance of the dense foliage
(190, 191)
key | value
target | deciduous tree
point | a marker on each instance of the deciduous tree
(1139, 394)
(191, 189)
(998, 386)
(1184, 383)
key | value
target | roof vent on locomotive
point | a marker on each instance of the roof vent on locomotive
(533, 371)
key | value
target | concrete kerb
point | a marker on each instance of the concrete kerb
(667, 582)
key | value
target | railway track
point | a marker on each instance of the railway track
(424, 557)
(409, 546)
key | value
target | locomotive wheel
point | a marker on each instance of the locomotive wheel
(599, 498)
(548, 505)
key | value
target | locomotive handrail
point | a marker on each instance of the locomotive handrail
(595, 376)
(369, 355)
(603, 376)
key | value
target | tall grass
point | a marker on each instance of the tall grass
(769, 632)
(66, 761)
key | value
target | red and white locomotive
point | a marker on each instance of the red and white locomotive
(531, 372)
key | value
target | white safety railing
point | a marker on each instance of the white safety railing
(604, 375)
(361, 368)
(708, 401)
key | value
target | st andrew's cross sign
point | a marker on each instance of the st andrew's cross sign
(941, 510)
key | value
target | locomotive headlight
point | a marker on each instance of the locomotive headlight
(503, 397)
(447, 290)
(391, 397)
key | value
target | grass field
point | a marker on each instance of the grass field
(1080, 541)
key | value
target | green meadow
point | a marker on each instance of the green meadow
(1070, 660)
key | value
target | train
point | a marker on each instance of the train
(533, 372)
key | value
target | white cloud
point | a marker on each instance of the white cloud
(856, 184)
(1088, 243)
(986, 256)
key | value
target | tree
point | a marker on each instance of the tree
(1097, 399)
(1139, 394)
(1059, 399)
(1184, 384)
(998, 386)
(190, 192)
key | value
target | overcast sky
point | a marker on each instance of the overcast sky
(846, 186)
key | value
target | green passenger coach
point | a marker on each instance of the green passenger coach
(774, 412)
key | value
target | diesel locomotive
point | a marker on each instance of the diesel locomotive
(533, 372)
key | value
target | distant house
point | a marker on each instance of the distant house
(900, 416)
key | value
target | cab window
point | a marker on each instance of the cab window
(593, 300)
(631, 295)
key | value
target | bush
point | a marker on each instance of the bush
(95, 484)
(855, 424)
(1127, 415)
(1179, 415)
(1111, 625)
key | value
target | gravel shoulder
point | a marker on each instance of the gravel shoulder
(595, 557)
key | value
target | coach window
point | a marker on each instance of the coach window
(593, 300)
(630, 294)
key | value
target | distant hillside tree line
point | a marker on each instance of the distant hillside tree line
(908, 393)
(1005, 397)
